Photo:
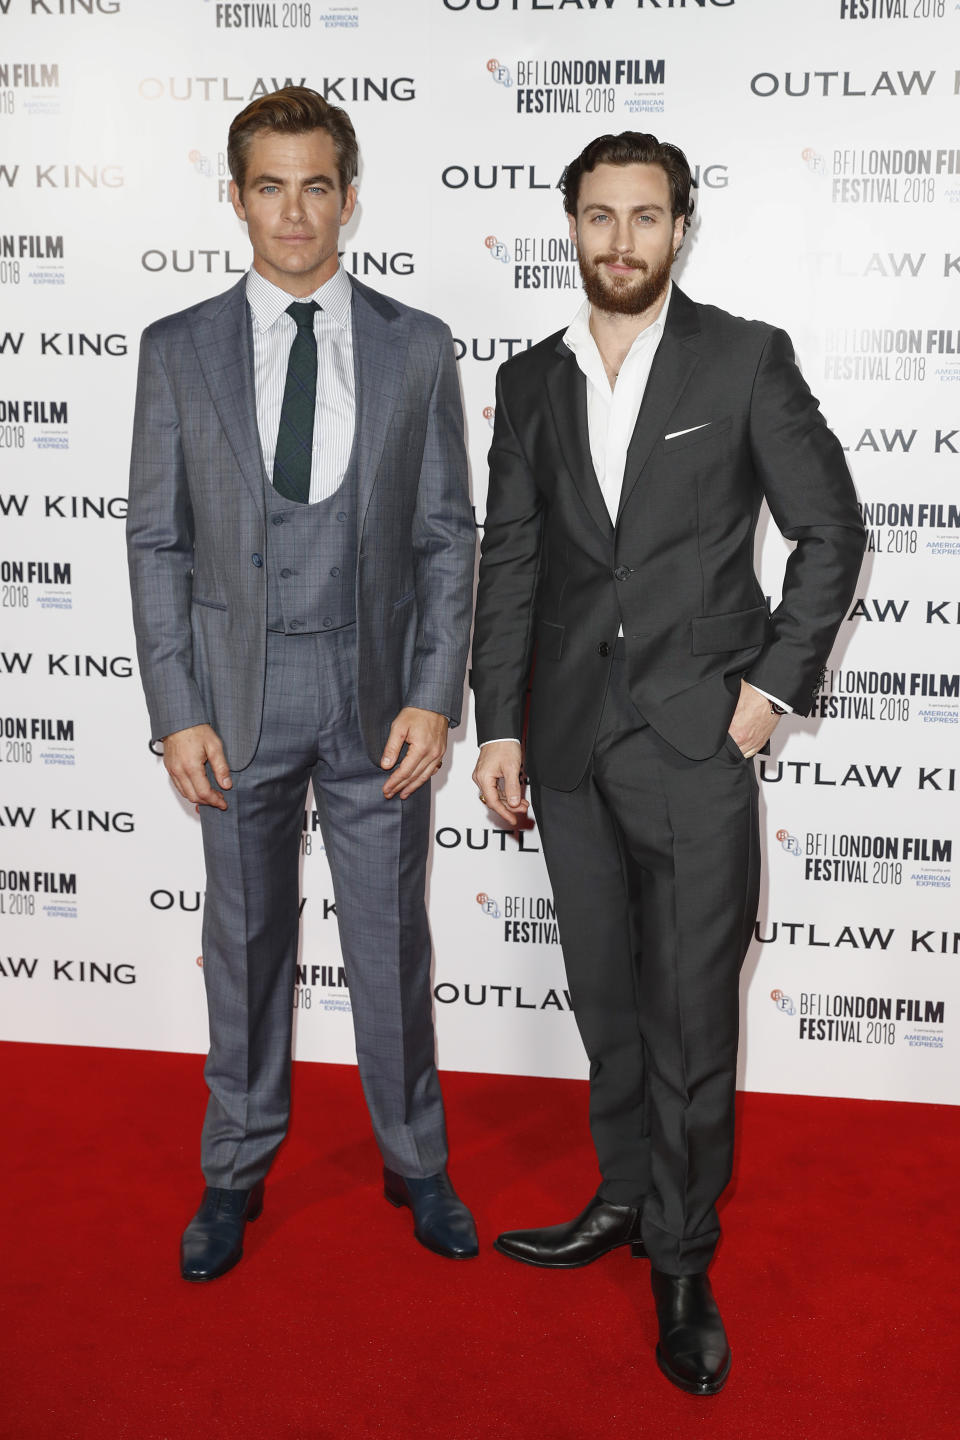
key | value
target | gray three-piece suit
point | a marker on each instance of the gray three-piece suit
(299, 632)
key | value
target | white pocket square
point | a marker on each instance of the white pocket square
(689, 431)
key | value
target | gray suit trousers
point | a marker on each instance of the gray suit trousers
(377, 852)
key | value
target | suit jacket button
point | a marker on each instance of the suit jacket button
(603, 648)
(257, 560)
(295, 624)
(285, 574)
(278, 519)
(327, 622)
(622, 572)
(341, 515)
(335, 571)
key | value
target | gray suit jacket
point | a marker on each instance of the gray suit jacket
(196, 524)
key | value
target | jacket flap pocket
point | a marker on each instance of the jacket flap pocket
(549, 640)
(739, 630)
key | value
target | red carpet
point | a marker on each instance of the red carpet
(837, 1276)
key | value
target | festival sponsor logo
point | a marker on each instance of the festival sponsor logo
(582, 86)
(61, 175)
(39, 894)
(37, 259)
(37, 740)
(44, 584)
(783, 1002)
(490, 415)
(860, 776)
(832, 857)
(72, 972)
(813, 935)
(320, 989)
(894, 697)
(525, 919)
(29, 87)
(911, 527)
(890, 84)
(536, 262)
(489, 347)
(264, 16)
(336, 17)
(890, 176)
(905, 354)
(897, 10)
(235, 90)
(41, 421)
(502, 997)
(907, 1021)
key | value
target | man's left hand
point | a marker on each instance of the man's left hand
(424, 732)
(753, 721)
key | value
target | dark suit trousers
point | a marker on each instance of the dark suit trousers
(654, 862)
(377, 852)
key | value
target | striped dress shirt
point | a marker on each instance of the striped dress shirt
(336, 412)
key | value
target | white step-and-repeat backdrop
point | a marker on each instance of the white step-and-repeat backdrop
(824, 135)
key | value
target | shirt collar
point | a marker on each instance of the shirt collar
(268, 302)
(578, 335)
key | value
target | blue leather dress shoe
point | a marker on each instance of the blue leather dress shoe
(441, 1221)
(213, 1241)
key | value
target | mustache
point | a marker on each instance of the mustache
(612, 258)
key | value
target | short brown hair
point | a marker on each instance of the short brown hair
(293, 111)
(632, 148)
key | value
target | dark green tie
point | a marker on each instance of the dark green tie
(294, 453)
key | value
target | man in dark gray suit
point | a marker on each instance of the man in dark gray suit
(301, 556)
(631, 455)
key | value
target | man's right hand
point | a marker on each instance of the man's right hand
(497, 777)
(185, 752)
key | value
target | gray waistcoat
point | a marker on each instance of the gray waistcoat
(312, 559)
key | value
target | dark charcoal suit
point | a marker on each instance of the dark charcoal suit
(647, 808)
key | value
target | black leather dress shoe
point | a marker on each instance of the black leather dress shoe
(693, 1350)
(213, 1241)
(595, 1232)
(441, 1221)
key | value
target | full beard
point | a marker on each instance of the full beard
(622, 295)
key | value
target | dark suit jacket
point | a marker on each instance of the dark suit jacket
(196, 522)
(557, 579)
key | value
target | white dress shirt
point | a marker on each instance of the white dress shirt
(336, 412)
(612, 414)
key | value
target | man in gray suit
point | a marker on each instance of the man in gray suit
(301, 553)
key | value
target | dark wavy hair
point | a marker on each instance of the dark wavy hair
(632, 148)
(295, 110)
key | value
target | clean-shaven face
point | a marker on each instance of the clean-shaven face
(625, 236)
(293, 208)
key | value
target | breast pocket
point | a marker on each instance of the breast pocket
(710, 433)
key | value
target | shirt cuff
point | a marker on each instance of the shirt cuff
(501, 741)
(774, 700)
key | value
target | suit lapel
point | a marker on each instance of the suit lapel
(674, 363)
(567, 392)
(379, 348)
(225, 350)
